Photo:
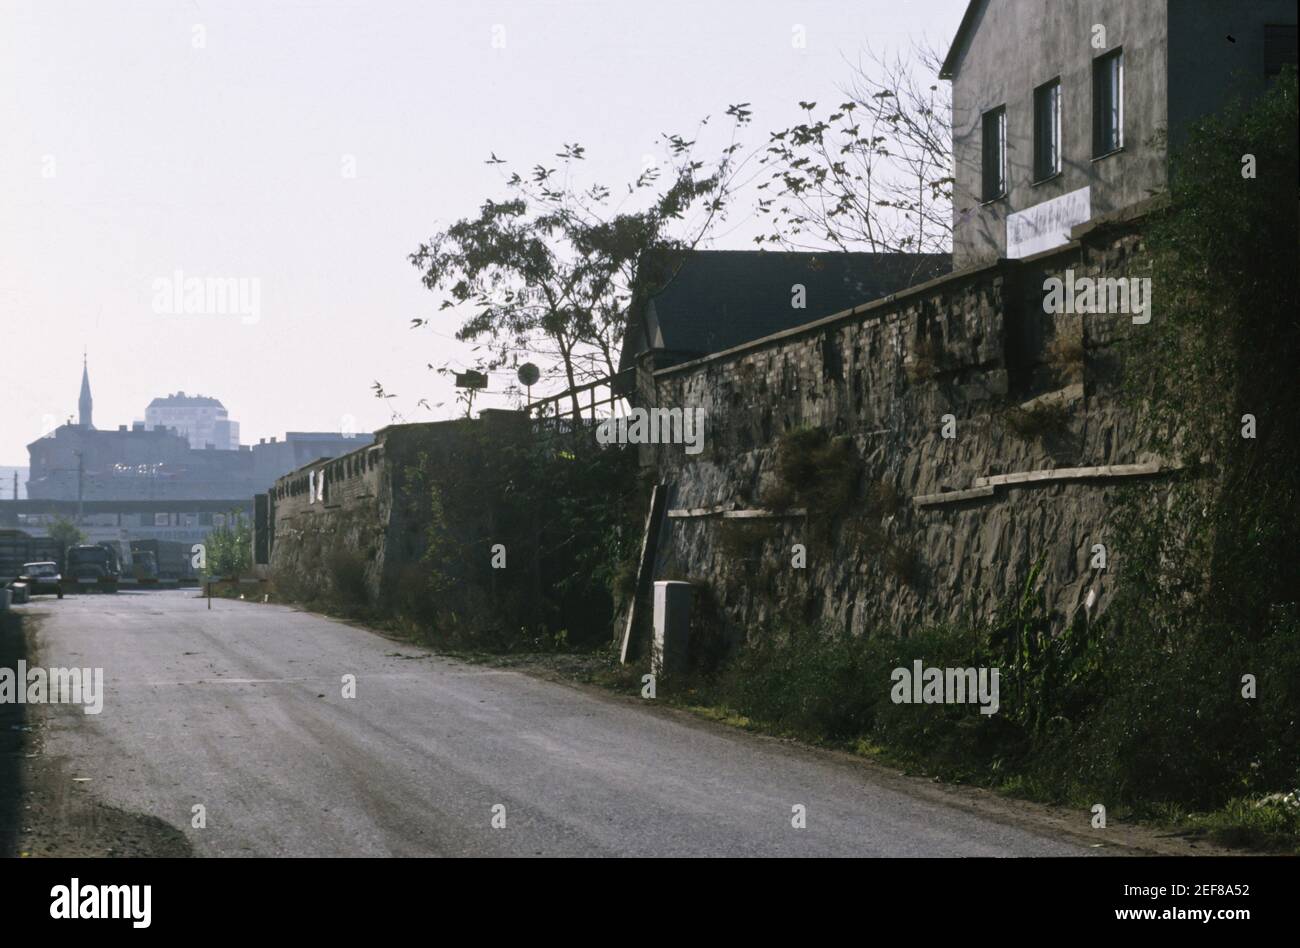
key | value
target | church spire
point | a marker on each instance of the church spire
(85, 403)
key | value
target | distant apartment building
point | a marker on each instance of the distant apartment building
(1066, 111)
(204, 421)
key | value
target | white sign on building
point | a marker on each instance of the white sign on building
(1047, 225)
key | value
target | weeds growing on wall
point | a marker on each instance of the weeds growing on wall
(816, 471)
(1041, 420)
(527, 543)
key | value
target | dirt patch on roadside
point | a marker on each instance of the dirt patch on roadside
(44, 811)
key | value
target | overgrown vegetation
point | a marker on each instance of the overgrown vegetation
(1040, 420)
(527, 544)
(229, 548)
(1216, 377)
(1065, 350)
(67, 533)
(814, 471)
(1086, 715)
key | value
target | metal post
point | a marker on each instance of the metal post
(81, 471)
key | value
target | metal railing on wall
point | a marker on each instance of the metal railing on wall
(596, 400)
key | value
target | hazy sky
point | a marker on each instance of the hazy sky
(215, 138)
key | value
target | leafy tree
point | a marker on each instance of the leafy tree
(67, 533)
(874, 174)
(550, 268)
(230, 547)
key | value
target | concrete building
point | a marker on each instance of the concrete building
(201, 419)
(1065, 112)
(134, 463)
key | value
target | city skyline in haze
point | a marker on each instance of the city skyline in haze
(291, 156)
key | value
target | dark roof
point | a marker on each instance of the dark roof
(959, 41)
(181, 400)
(717, 299)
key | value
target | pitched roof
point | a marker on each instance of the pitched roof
(717, 299)
(949, 68)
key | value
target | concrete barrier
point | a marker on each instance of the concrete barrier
(5, 596)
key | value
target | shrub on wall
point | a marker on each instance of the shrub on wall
(524, 541)
(815, 471)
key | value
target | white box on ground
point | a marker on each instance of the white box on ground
(672, 618)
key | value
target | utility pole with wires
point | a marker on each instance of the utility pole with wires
(81, 480)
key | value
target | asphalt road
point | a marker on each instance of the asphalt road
(240, 710)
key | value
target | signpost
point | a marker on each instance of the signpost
(528, 375)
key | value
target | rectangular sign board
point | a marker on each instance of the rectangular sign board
(1047, 225)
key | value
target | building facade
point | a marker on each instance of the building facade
(1066, 112)
(201, 419)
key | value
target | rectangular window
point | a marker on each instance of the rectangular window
(1047, 130)
(161, 520)
(1108, 103)
(994, 143)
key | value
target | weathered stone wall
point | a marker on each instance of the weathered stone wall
(352, 516)
(974, 345)
(374, 507)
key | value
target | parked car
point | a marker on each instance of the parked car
(42, 578)
(92, 565)
(17, 549)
